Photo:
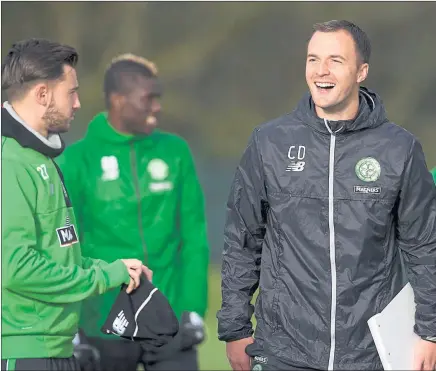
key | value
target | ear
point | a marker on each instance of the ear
(42, 94)
(116, 100)
(362, 74)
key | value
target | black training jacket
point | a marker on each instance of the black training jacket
(319, 215)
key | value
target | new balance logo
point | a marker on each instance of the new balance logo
(67, 235)
(120, 324)
(296, 166)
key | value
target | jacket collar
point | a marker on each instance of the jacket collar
(370, 115)
(100, 129)
(14, 127)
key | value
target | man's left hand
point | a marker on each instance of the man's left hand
(425, 356)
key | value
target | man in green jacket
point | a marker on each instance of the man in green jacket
(136, 192)
(44, 277)
(433, 172)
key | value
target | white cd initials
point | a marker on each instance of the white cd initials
(299, 153)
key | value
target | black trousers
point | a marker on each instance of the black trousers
(41, 364)
(125, 355)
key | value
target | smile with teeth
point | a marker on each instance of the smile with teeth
(325, 85)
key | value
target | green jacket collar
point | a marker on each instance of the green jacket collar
(101, 130)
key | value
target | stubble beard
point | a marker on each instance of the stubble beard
(55, 121)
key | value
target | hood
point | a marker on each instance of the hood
(370, 115)
(13, 127)
(99, 129)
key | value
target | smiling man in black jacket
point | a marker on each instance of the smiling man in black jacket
(324, 201)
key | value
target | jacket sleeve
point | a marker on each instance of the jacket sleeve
(26, 270)
(417, 237)
(433, 172)
(89, 262)
(195, 248)
(243, 237)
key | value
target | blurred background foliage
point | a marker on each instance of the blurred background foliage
(229, 66)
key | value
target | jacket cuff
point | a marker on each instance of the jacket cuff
(117, 274)
(429, 338)
(228, 338)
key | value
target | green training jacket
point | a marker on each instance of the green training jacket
(139, 196)
(44, 277)
(433, 172)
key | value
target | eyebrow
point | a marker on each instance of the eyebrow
(335, 56)
(74, 89)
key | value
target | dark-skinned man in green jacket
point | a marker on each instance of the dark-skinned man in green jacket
(136, 192)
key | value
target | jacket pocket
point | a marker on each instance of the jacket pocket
(20, 314)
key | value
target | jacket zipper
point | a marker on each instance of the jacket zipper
(138, 198)
(332, 245)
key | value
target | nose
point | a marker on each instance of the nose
(76, 105)
(323, 68)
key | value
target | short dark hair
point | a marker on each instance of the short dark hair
(123, 71)
(32, 60)
(361, 39)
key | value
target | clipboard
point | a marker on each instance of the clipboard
(392, 331)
